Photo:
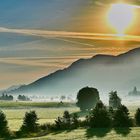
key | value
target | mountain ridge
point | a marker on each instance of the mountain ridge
(79, 70)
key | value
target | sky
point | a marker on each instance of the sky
(38, 37)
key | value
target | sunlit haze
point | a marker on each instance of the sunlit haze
(120, 17)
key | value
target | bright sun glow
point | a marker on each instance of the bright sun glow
(120, 17)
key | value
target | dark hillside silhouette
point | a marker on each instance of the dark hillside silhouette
(92, 71)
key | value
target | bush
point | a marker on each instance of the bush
(121, 117)
(99, 117)
(30, 122)
(137, 117)
(47, 127)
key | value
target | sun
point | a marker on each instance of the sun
(120, 17)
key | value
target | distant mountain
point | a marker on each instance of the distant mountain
(12, 88)
(104, 72)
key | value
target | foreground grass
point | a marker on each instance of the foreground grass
(46, 115)
(96, 134)
(48, 112)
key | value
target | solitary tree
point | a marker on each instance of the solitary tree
(87, 98)
(30, 122)
(114, 100)
(121, 117)
(3, 125)
(99, 117)
(137, 117)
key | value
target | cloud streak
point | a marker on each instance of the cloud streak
(29, 60)
(71, 35)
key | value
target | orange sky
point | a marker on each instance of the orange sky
(52, 37)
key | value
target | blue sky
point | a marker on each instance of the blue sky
(25, 57)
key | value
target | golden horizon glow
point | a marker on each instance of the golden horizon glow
(120, 17)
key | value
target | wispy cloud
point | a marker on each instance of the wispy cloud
(71, 35)
(52, 51)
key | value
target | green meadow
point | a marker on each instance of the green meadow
(47, 112)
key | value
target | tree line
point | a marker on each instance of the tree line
(6, 97)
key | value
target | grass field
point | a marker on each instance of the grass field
(48, 112)
(15, 116)
(14, 104)
(93, 134)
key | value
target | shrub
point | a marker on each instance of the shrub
(47, 127)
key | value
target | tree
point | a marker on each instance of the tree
(137, 117)
(121, 117)
(63, 122)
(111, 112)
(114, 100)
(135, 92)
(3, 125)
(99, 117)
(10, 97)
(6, 97)
(87, 98)
(23, 98)
(62, 98)
(75, 121)
(58, 123)
(67, 117)
(30, 122)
